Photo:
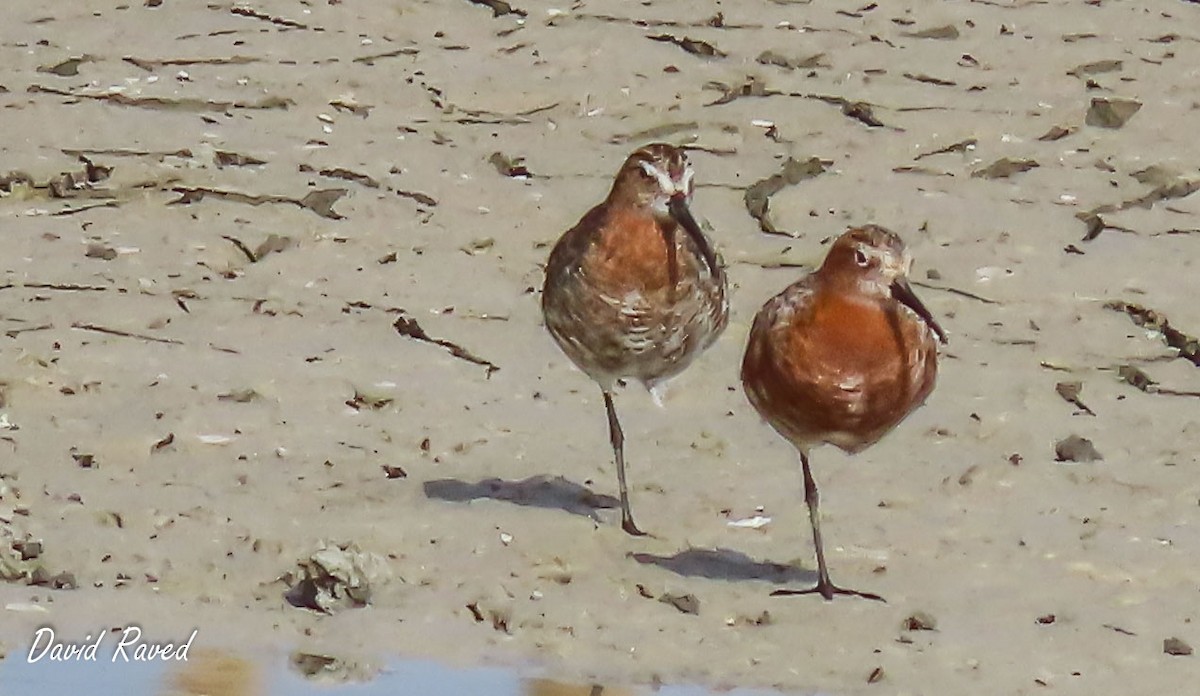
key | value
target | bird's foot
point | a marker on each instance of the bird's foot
(827, 590)
(630, 528)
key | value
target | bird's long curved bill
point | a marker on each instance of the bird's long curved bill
(903, 292)
(683, 215)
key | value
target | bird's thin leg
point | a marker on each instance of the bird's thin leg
(824, 586)
(617, 438)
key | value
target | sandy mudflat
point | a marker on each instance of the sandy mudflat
(211, 392)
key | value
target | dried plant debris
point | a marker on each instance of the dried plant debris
(1004, 168)
(485, 117)
(685, 603)
(1156, 175)
(1076, 449)
(422, 198)
(162, 443)
(920, 621)
(1095, 224)
(1180, 188)
(66, 287)
(500, 616)
(1056, 133)
(860, 111)
(353, 106)
(945, 33)
(1136, 377)
(13, 333)
(127, 152)
(224, 158)
(150, 65)
(752, 87)
(337, 577)
(96, 328)
(240, 396)
(1070, 392)
(273, 243)
(930, 80)
(168, 103)
(370, 60)
(408, 326)
(817, 60)
(1111, 112)
(499, 7)
(655, 133)
(350, 175)
(243, 11)
(513, 167)
(694, 46)
(1188, 346)
(1170, 186)
(480, 245)
(927, 171)
(716, 21)
(961, 146)
(66, 185)
(758, 197)
(367, 400)
(66, 68)
(1140, 380)
(1099, 67)
(319, 202)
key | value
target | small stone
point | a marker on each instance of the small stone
(99, 251)
(920, 621)
(29, 549)
(394, 472)
(64, 581)
(688, 604)
(1176, 646)
(1111, 113)
(39, 577)
(1076, 449)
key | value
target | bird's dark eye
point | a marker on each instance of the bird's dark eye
(860, 258)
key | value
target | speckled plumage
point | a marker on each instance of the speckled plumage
(634, 290)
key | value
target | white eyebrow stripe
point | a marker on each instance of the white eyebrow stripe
(664, 180)
(687, 178)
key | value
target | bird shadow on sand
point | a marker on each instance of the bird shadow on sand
(725, 564)
(555, 493)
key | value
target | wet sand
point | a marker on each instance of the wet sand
(203, 380)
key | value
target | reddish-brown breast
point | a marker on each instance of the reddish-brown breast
(824, 365)
(629, 255)
(610, 304)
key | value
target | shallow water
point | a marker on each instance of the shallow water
(222, 674)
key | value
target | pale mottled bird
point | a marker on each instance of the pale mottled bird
(635, 290)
